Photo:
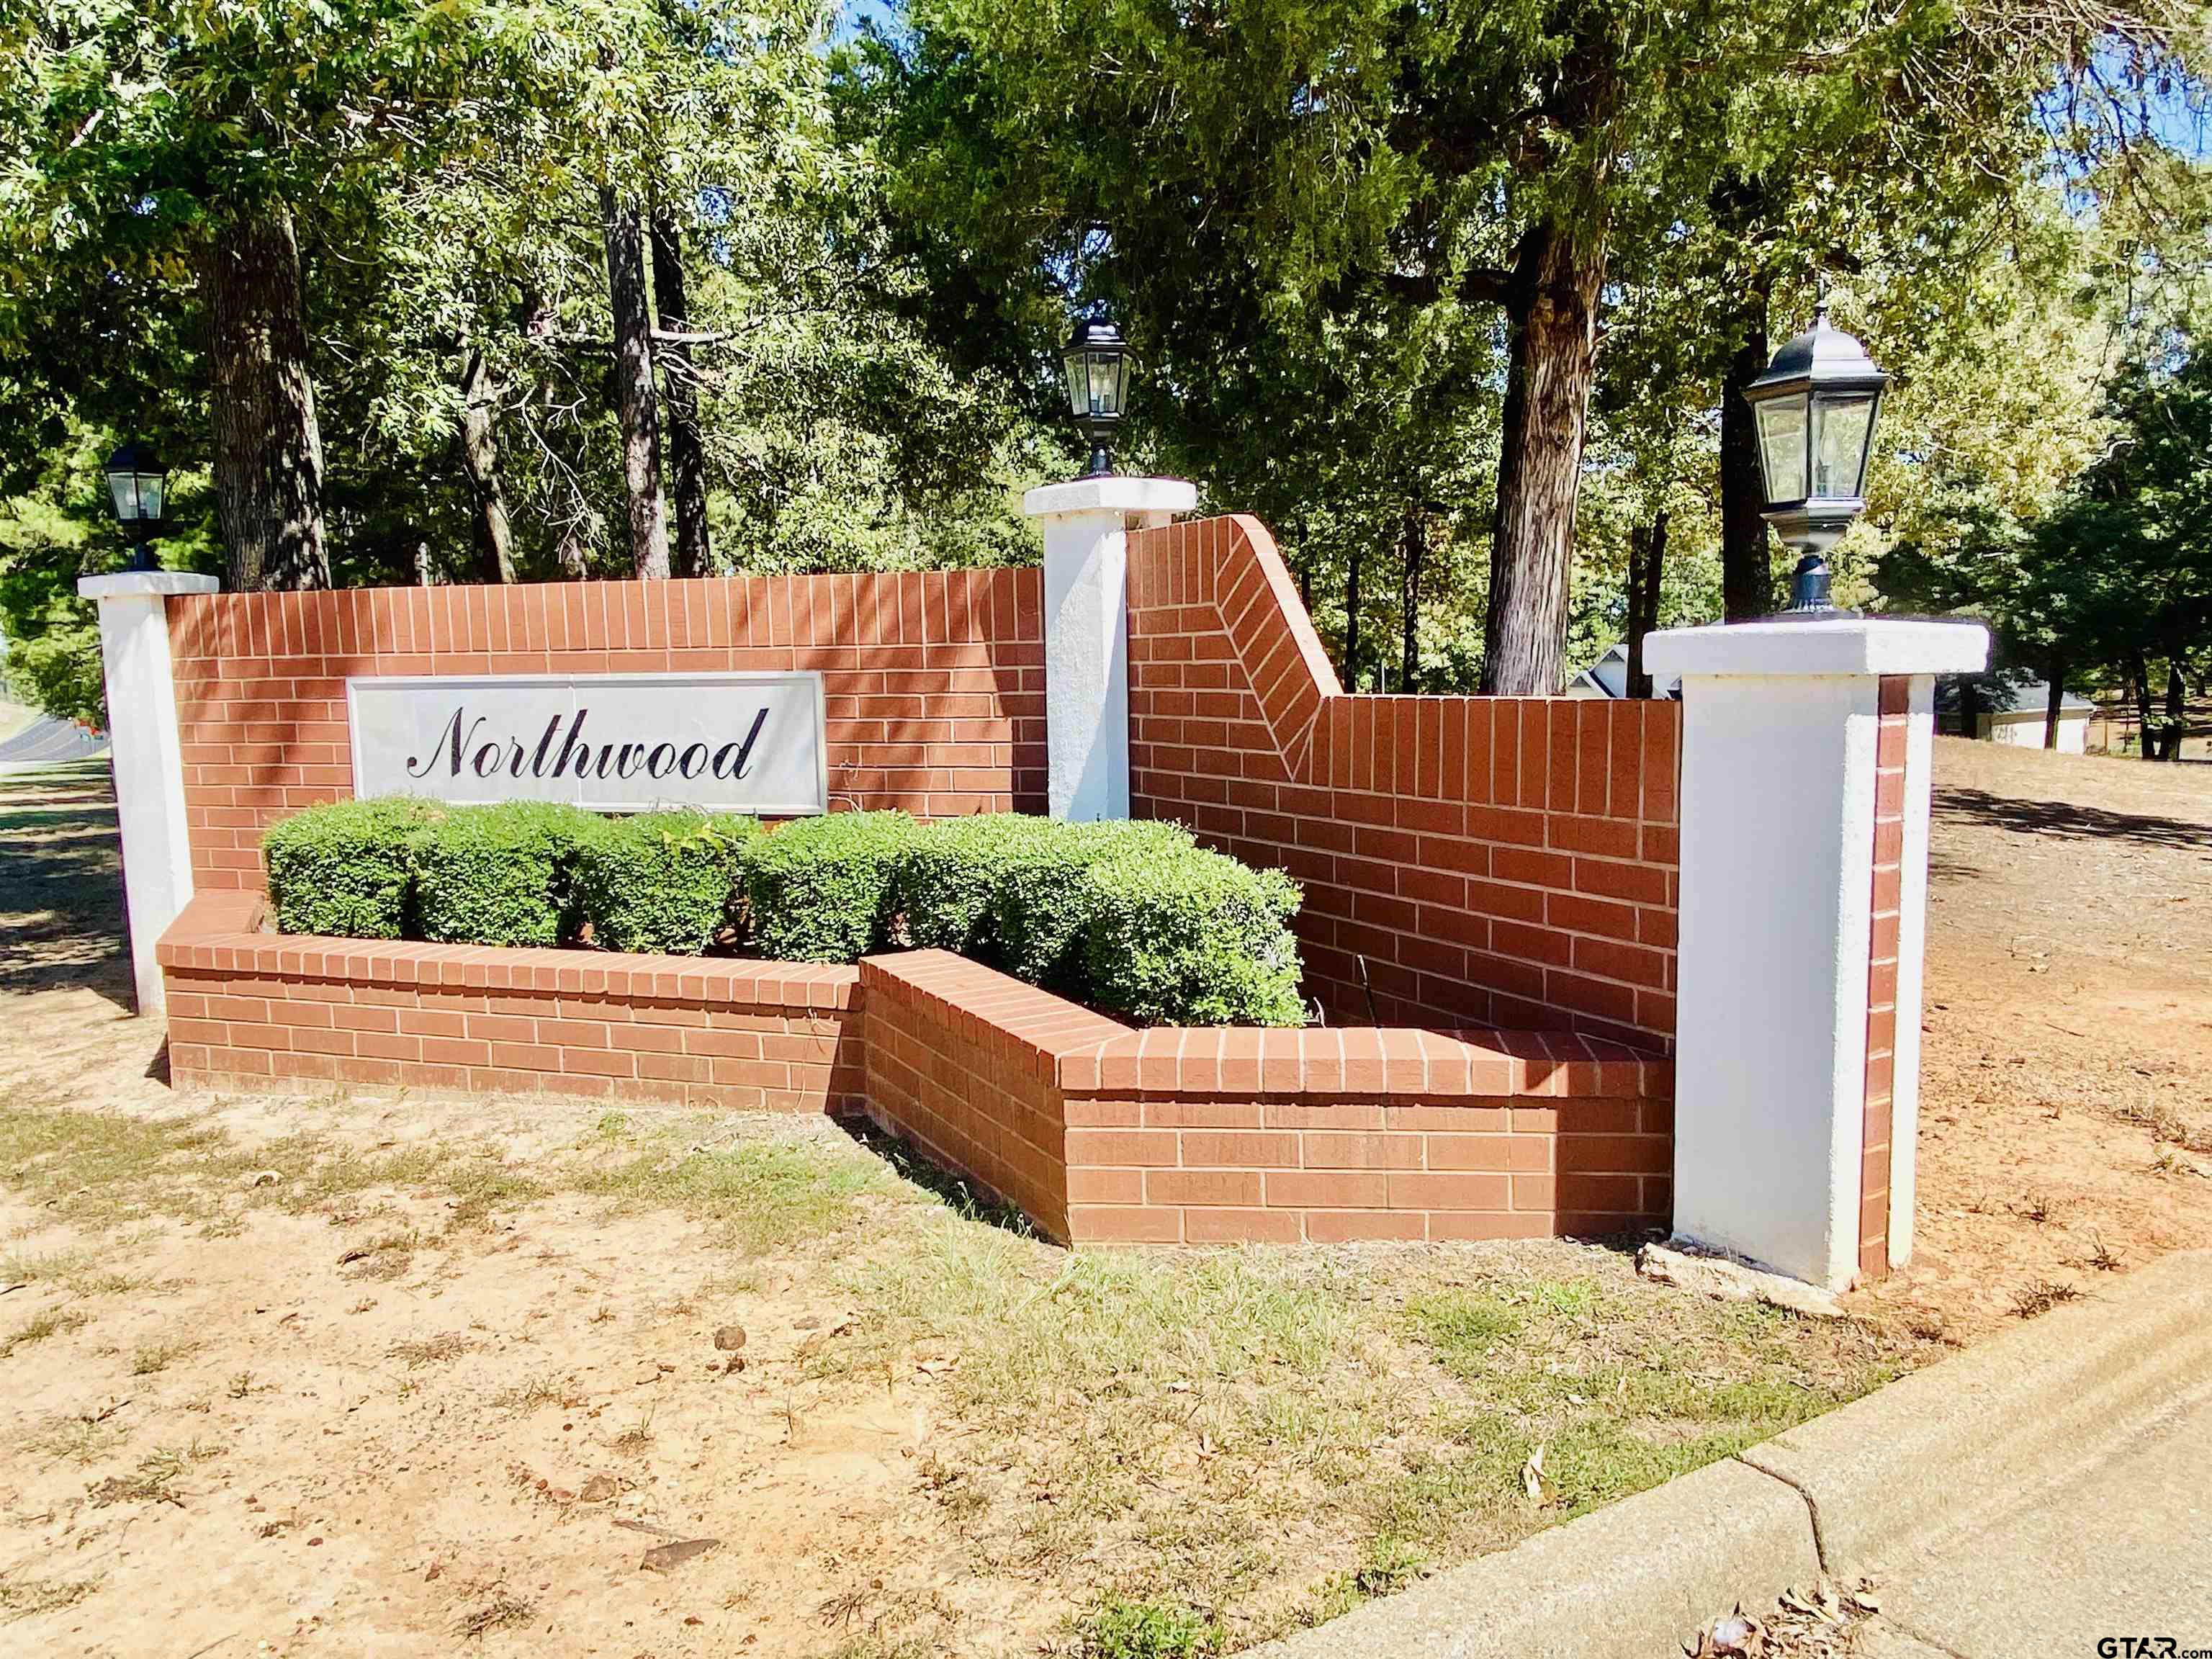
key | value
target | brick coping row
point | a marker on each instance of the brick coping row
(222, 932)
(1080, 1052)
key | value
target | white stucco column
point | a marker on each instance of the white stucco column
(1806, 753)
(1086, 631)
(149, 773)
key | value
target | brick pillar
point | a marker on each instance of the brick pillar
(1086, 632)
(148, 761)
(1804, 855)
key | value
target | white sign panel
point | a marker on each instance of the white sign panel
(619, 742)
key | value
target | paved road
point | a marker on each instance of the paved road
(2119, 1545)
(47, 742)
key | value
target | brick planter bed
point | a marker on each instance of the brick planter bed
(1099, 1133)
(247, 1007)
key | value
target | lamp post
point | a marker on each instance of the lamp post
(137, 484)
(1097, 360)
(1815, 407)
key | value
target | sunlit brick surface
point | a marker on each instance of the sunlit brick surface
(934, 680)
(1496, 861)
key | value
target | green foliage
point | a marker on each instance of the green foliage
(1134, 917)
(500, 875)
(659, 881)
(826, 889)
(953, 873)
(60, 671)
(1043, 896)
(1193, 939)
(347, 868)
(1118, 1628)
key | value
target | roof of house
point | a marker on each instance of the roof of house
(2001, 694)
(1609, 675)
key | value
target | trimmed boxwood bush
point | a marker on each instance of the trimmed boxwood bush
(1133, 917)
(500, 875)
(1042, 899)
(1194, 939)
(826, 890)
(348, 867)
(952, 874)
(659, 881)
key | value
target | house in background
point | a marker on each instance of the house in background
(2012, 711)
(1609, 678)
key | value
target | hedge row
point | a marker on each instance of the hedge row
(1133, 918)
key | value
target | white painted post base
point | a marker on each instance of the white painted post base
(1804, 864)
(149, 773)
(1086, 632)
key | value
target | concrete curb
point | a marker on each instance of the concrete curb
(1905, 1463)
(1924, 1454)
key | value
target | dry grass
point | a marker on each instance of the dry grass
(1203, 1448)
(47, 1322)
(22, 1596)
(1164, 1427)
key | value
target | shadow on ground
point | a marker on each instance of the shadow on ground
(2066, 818)
(61, 881)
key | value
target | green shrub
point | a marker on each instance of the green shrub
(501, 875)
(1043, 896)
(1193, 939)
(1134, 917)
(659, 881)
(952, 873)
(348, 867)
(826, 889)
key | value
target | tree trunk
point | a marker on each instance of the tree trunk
(1414, 538)
(480, 460)
(1969, 706)
(425, 574)
(1746, 552)
(634, 392)
(1552, 358)
(1647, 559)
(2139, 682)
(1352, 619)
(2055, 703)
(687, 452)
(268, 448)
(2177, 693)
(573, 554)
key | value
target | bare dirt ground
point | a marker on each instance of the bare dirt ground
(2066, 1123)
(368, 1373)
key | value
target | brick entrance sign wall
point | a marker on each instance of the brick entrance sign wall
(934, 680)
(1496, 861)
(1505, 868)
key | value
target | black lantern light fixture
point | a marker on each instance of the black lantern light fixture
(137, 482)
(1097, 362)
(1815, 409)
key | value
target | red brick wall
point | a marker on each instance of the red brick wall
(1326, 1135)
(1505, 862)
(249, 1009)
(1874, 1159)
(1102, 1135)
(961, 1060)
(934, 681)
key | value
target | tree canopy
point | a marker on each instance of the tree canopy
(1459, 297)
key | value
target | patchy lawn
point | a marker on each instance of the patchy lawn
(365, 1370)
(405, 1373)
